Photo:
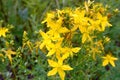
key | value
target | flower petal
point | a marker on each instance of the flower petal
(44, 35)
(42, 45)
(105, 62)
(61, 74)
(66, 67)
(65, 56)
(113, 58)
(52, 63)
(75, 50)
(52, 72)
(84, 37)
(112, 63)
(51, 52)
(63, 30)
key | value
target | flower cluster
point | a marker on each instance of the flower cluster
(8, 52)
(62, 26)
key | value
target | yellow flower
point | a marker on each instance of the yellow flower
(58, 67)
(57, 29)
(85, 37)
(49, 19)
(109, 59)
(104, 22)
(69, 52)
(46, 40)
(3, 31)
(55, 48)
(9, 52)
(94, 25)
(80, 20)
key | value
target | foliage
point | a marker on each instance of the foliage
(59, 40)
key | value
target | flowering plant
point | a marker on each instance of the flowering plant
(88, 23)
(69, 43)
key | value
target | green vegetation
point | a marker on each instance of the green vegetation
(59, 40)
